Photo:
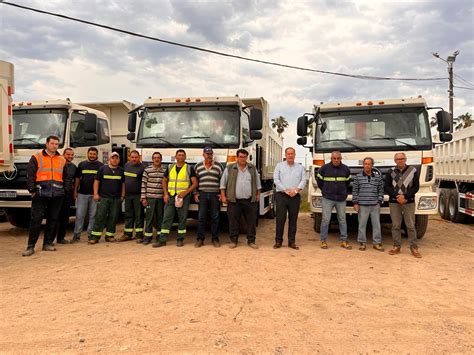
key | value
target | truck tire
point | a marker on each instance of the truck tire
(443, 203)
(19, 217)
(453, 208)
(421, 224)
(317, 219)
(3, 215)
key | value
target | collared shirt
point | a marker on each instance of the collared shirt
(243, 187)
(289, 177)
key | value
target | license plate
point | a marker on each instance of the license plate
(7, 194)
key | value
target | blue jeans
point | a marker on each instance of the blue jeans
(326, 218)
(84, 203)
(208, 201)
(374, 213)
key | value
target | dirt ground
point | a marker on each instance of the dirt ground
(125, 297)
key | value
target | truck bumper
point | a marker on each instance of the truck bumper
(22, 199)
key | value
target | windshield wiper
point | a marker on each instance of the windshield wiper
(347, 141)
(207, 140)
(195, 137)
(160, 138)
(26, 139)
(395, 140)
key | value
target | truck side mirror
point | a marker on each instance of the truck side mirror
(256, 121)
(444, 121)
(90, 123)
(302, 140)
(255, 135)
(131, 136)
(302, 126)
(132, 121)
(445, 137)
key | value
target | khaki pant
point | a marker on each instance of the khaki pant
(404, 212)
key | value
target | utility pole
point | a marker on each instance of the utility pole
(450, 60)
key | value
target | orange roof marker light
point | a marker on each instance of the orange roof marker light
(370, 103)
(198, 100)
(178, 100)
(359, 104)
(318, 162)
(188, 100)
(381, 102)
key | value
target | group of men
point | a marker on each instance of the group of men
(154, 195)
(401, 183)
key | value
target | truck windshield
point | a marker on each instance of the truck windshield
(374, 130)
(32, 127)
(190, 127)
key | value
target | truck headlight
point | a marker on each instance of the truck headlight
(427, 203)
(316, 201)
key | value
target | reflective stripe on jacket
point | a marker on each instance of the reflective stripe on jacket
(178, 182)
(49, 175)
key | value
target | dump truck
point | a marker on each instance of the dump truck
(223, 123)
(379, 129)
(455, 176)
(7, 89)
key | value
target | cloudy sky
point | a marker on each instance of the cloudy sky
(57, 58)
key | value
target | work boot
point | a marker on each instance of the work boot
(414, 251)
(253, 245)
(63, 241)
(146, 241)
(277, 245)
(233, 245)
(124, 238)
(395, 250)
(345, 244)
(293, 246)
(158, 244)
(324, 245)
(110, 239)
(362, 246)
(180, 243)
(139, 240)
(199, 243)
(216, 243)
(93, 241)
(48, 247)
(28, 252)
(378, 247)
(75, 239)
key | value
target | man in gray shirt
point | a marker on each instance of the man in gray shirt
(289, 179)
(240, 189)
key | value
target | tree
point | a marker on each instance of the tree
(464, 121)
(280, 123)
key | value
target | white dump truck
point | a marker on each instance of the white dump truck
(455, 176)
(77, 126)
(224, 123)
(378, 129)
(7, 88)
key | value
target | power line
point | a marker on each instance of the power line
(463, 87)
(365, 77)
(464, 81)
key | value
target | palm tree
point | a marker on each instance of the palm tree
(464, 121)
(280, 123)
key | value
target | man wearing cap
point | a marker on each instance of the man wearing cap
(133, 206)
(179, 182)
(109, 191)
(208, 174)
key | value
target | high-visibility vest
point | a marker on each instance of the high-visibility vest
(178, 182)
(49, 176)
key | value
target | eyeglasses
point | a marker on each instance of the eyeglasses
(400, 158)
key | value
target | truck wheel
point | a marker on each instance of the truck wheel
(453, 208)
(3, 215)
(443, 203)
(317, 218)
(421, 224)
(19, 217)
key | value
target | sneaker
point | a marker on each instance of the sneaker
(253, 245)
(48, 247)
(395, 250)
(28, 252)
(199, 243)
(378, 247)
(233, 245)
(180, 243)
(362, 246)
(324, 245)
(345, 244)
(146, 241)
(92, 241)
(158, 244)
(414, 251)
(216, 243)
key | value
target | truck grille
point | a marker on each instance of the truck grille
(17, 183)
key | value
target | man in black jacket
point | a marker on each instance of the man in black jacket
(46, 180)
(401, 184)
(333, 180)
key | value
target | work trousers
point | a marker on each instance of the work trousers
(363, 216)
(406, 213)
(235, 210)
(84, 204)
(153, 216)
(108, 210)
(64, 217)
(208, 202)
(133, 216)
(44, 207)
(286, 205)
(168, 218)
(327, 206)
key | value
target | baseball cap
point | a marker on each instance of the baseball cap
(115, 154)
(208, 150)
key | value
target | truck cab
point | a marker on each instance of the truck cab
(376, 129)
(77, 126)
